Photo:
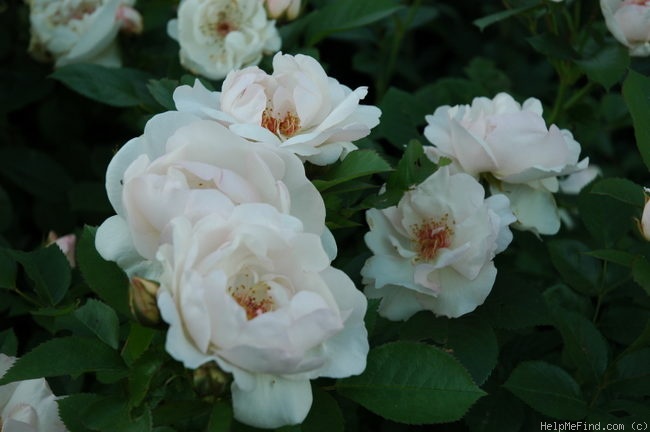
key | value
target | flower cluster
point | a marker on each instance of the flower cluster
(435, 249)
(234, 233)
(218, 36)
(75, 31)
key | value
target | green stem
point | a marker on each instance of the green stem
(559, 100)
(578, 96)
(400, 31)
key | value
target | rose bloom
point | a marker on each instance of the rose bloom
(435, 249)
(75, 31)
(256, 294)
(629, 23)
(183, 165)
(218, 36)
(283, 8)
(644, 224)
(511, 144)
(298, 107)
(27, 406)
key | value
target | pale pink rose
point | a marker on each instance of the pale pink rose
(183, 165)
(283, 8)
(511, 144)
(218, 36)
(435, 249)
(298, 108)
(75, 31)
(629, 23)
(255, 293)
(27, 406)
(67, 244)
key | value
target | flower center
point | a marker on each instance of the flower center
(285, 126)
(219, 20)
(431, 236)
(255, 299)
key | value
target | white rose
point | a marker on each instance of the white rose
(75, 31)
(255, 293)
(644, 224)
(629, 23)
(218, 36)
(27, 406)
(510, 142)
(283, 8)
(183, 165)
(298, 108)
(434, 250)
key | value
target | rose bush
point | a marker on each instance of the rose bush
(218, 36)
(487, 278)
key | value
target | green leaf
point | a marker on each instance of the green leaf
(413, 168)
(607, 66)
(577, 269)
(401, 118)
(8, 269)
(633, 374)
(221, 417)
(636, 91)
(8, 342)
(120, 87)
(500, 411)
(356, 164)
(101, 320)
(324, 415)
(547, 389)
(35, 172)
(137, 342)
(494, 18)
(473, 342)
(72, 407)
(112, 414)
(72, 355)
(341, 15)
(140, 376)
(412, 383)
(622, 258)
(6, 210)
(552, 46)
(608, 219)
(162, 91)
(513, 304)
(641, 273)
(583, 343)
(49, 269)
(620, 189)
(105, 278)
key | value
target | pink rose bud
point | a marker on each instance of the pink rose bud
(66, 244)
(130, 20)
